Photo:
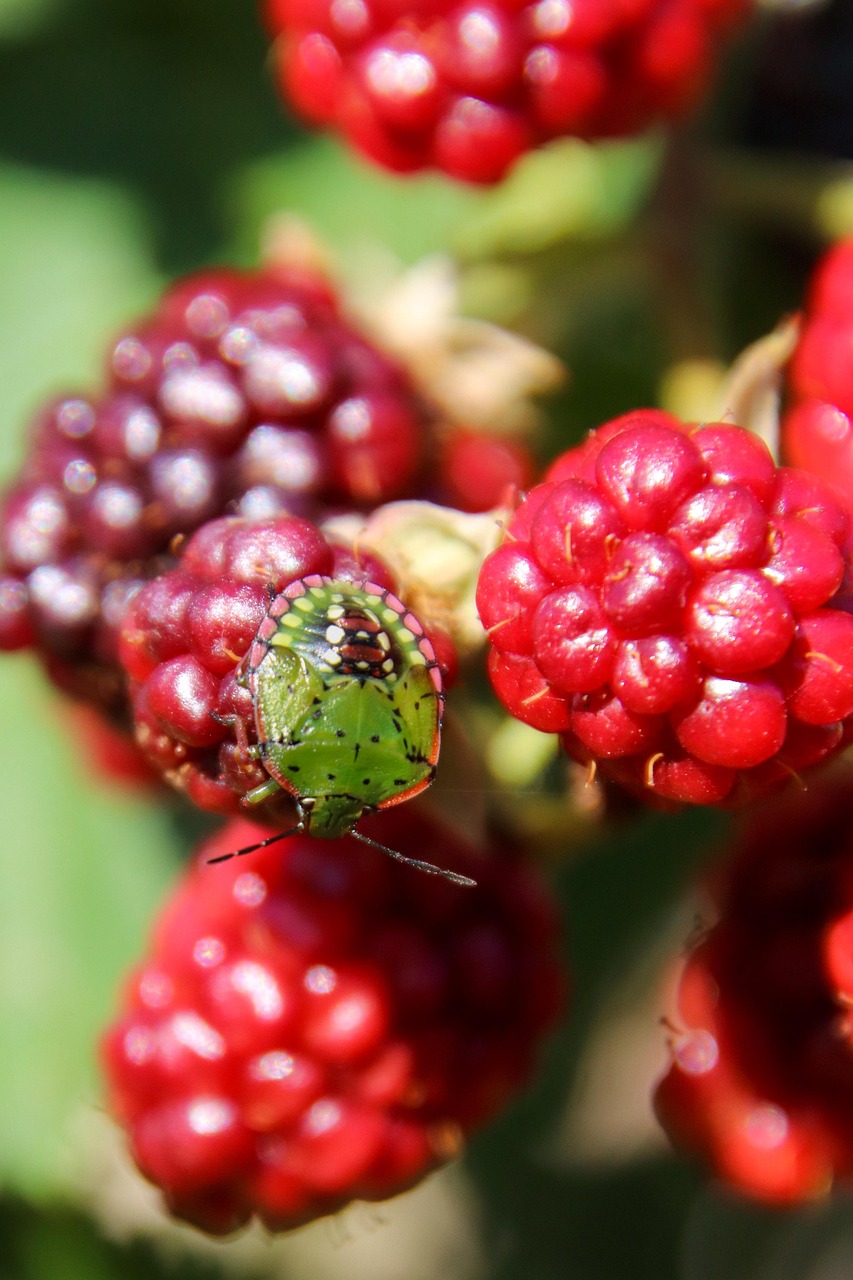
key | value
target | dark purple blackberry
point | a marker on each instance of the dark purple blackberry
(243, 393)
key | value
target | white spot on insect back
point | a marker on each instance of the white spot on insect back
(334, 635)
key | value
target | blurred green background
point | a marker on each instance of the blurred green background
(142, 139)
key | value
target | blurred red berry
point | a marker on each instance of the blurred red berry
(314, 1023)
(468, 88)
(816, 429)
(760, 1080)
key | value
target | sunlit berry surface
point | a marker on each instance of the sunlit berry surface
(673, 605)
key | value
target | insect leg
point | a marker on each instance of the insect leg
(238, 724)
(260, 793)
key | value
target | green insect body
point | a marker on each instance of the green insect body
(348, 702)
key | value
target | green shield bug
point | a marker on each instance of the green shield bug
(348, 701)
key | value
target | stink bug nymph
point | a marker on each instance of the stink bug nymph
(348, 702)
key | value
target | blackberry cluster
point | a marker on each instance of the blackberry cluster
(183, 639)
(817, 428)
(762, 1047)
(468, 87)
(314, 1023)
(672, 605)
(244, 393)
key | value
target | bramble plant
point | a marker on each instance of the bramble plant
(313, 573)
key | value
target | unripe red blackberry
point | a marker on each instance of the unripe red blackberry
(185, 635)
(468, 88)
(816, 429)
(245, 393)
(760, 1082)
(674, 605)
(313, 1024)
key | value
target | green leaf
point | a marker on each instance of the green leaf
(20, 18)
(564, 191)
(350, 203)
(74, 267)
(82, 866)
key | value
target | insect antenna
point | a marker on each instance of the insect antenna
(429, 867)
(262, 844)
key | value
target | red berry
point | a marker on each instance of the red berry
(816, 429)
(468, 88)
(762, 1058)
(674, 606)
(260, 1074)
(483, 471)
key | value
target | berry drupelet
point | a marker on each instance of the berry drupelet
(673, 605)
(468, 88)
(761, 1077)
(314, 1024)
